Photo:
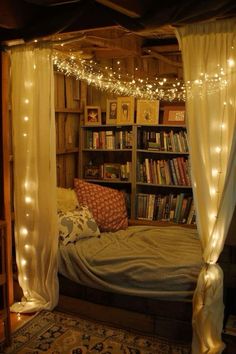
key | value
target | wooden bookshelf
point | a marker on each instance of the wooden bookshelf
(130, 144)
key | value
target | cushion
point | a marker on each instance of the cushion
(77, 224)
(106, 204)
(66, 199)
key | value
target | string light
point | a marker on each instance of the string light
(105, 78)
(24, 231)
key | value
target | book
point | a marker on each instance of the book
(148, 174)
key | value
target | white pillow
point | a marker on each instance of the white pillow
(77, 224)
(66, 199)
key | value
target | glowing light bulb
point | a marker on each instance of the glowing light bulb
(231, 62)
(24, 231)
(23, 262)
(28, 199)
(213, 191)
(213, 216)
(26, 101)
(26, 119)
(27, 247)
(18, 316)
(214, 172)
(25, 135)
(218, 149)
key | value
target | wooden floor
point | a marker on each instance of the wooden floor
(17, 320)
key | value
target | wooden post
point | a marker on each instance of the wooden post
(6, 131)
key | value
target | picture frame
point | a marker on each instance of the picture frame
(92, 115)
(92, 172)
(125, 110)
(147, 112)
(174, 115)
(111, 112)
(111, 171)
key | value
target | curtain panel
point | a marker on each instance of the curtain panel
(34, 157)
(209, 61)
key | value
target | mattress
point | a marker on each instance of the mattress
(148, 261)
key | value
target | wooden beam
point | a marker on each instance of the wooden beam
(161, 57)
(131, 8)
(165, 48)
(6, 131)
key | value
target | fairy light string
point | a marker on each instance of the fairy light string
(114, 81)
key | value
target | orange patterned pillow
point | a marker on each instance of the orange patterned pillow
(106, 204)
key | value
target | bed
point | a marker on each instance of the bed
(143, 269)
(147, 273)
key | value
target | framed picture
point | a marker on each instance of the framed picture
(92, 172)
(111, 112)
(92, 115)
(125, 110)
(111, 171)
(147, 112)
(174, 115)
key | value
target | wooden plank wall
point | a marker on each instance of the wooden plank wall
(67, 108)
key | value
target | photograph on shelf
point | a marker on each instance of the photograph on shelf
(174, 115)
(111, 171)
(147, 112)
(92, 115)
(125, 110)
(92, 172)
(111, 112)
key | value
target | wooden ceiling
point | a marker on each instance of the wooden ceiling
(105, 29)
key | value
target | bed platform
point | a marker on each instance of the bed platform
(168, 319)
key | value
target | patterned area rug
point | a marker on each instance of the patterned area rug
(60, 333)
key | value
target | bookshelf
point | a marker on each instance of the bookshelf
(149, 163)
(163, 182)
(106, 156)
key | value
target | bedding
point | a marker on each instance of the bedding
(76, 224)
(107, 205)
(66, 199)
(148, 261)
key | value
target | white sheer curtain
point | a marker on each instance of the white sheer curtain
(209, 59)
(34, 177)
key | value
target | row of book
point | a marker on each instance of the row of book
(174, 208)
(108, 139)
(174, 171)
(109, 171)
(163, 141)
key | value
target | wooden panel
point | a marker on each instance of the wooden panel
(71, 132)
(60, 131)
(61, 180)
(71, 92)
(59, 84)
(71, 170)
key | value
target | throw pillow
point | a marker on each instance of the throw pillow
(106, 204)
(66, 199)
(77, 224)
